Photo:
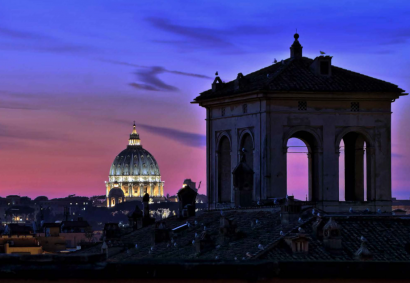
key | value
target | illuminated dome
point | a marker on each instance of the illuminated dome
(134, 161)
(136, 171)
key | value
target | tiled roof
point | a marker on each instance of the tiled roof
(295, 74)
(265, 231)
(387, 238)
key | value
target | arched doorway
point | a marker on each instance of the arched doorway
(353, 167)
(310, 143)
(224, 170)
(297, 169)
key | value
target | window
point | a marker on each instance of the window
(245, 108)
(302, 105)
(354, 107)
(223, 111)
(324, 68)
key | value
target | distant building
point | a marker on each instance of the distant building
(19, 239)
(136, 172)
(66, 234)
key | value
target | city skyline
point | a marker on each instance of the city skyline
(71, 89)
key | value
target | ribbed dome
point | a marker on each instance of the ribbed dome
(134, 160)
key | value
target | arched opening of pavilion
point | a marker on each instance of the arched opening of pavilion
(303, 166)
(354, 172)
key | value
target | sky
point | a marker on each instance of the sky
(75, 74)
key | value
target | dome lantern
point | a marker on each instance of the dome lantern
(134, 137)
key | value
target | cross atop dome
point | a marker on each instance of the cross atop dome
(134, 137)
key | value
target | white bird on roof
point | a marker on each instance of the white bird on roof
(281, 233)
(175, 244)
(248, 254)
(301, 230)
(300, 220)
(313, 211)
(379, 211)
(193, 242)
(260, 247)
(351, 210)
(363, 239)
(152, 248)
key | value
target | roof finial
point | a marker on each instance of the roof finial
(296, 48)
(216, 74)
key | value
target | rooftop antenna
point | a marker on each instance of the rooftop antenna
(199, 185)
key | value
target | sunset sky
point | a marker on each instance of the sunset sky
(74, 75)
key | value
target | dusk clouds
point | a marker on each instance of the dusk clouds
(148, 77)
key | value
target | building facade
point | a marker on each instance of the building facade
(136, 172)
(316, 102)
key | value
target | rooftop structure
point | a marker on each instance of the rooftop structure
(311, 100)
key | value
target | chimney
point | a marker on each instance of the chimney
(290, 211)
(296, 48)
(332, 239)
(322, 66)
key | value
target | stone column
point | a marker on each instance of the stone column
(359, 174)
(151, 189)
(156, 189)
(317, 188)
(141, 185)
(370, 166)
(310, 171)
(162, 188)
(130, 190)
